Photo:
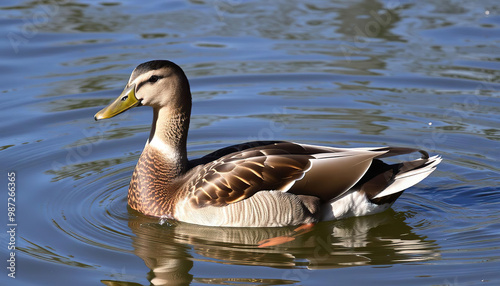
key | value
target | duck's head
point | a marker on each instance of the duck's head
(159, 84)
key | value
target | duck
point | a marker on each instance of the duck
(252, 184)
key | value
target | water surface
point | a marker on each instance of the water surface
(340, 73)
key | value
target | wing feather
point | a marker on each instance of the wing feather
(237, 176)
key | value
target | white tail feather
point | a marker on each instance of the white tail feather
(410, 178)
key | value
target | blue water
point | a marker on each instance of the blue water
(340, 73)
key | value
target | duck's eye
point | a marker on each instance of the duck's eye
(154, 78)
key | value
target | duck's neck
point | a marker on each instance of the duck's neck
(152, 189)
(169, 136)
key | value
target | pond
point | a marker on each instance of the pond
(339, 73)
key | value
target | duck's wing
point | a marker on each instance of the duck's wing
(323, 172)
(229, 180)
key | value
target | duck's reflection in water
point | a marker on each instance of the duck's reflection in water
(171, 249)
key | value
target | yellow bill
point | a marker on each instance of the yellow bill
(124, 102)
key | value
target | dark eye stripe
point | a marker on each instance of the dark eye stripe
(156, 78)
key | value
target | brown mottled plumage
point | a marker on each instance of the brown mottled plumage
(260, 183)
(149, 186)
